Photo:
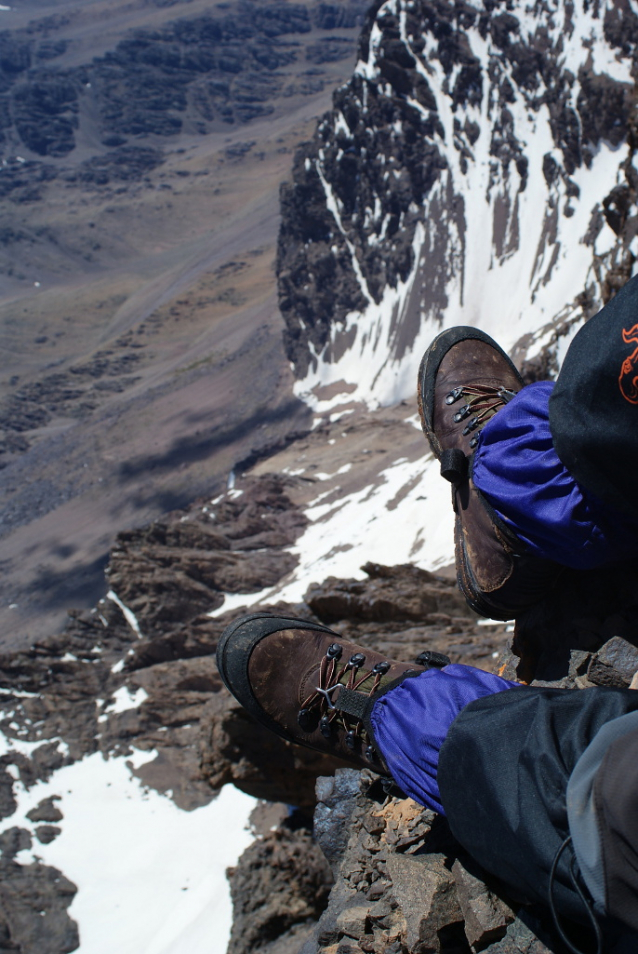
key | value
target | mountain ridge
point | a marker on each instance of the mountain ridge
(461, 121)
(324, 503)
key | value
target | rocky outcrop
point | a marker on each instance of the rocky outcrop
(151, 645)
(279, 889)
(401, 884)
(434, 142)
(224, 67)
(404, 885)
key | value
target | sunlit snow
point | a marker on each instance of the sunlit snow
(151, 877)
(129, 615)
(508, 293)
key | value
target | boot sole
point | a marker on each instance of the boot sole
(233, 655)
(429, 367)
(474, 596)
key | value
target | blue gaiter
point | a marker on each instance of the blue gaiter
(517, 469)
(411, 721)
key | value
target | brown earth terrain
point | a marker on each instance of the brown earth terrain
(138, 316)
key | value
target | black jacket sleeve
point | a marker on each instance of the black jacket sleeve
(503, 774)
(593, 410)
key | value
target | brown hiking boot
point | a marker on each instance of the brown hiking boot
(308, 685)
(464, 379)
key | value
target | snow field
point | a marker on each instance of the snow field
(404, 516)
(151, 877)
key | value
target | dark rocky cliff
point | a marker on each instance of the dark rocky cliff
(449, 101)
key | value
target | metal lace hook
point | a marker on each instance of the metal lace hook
(326, 694)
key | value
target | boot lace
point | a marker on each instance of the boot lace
(482, 401)
(320, 708)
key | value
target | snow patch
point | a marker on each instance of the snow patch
(124, 699)
(129, 615)
(151, 877)
(404, 516)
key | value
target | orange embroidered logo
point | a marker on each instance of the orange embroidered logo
(628, 380)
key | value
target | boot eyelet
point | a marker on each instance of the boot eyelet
(462, 413)
(325, 727)
(454, 395)
(334, 651)
(370, 753)
(470, 426)
(356, 660)
(380, 668)
(307, 720)
(351, 739)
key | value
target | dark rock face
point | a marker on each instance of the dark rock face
(224, 67)
(389, 172)
(278, 889)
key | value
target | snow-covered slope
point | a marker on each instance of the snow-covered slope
(150, 877)
(477, 169)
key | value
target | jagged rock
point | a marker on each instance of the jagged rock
(392, 887)
(403, 611)
(521, 938)
(403, 884)
(279, 888)
(171, 575)
(398, 593)
(485, 914)
(14, 840)
(47, 833)
(335, 803)
(614, 664)
(33, 909)
(354, 921)
(423, 890)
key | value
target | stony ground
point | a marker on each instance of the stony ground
(400, 883)
(137, 288)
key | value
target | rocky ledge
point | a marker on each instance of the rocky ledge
(150, 645)
(400, 882)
